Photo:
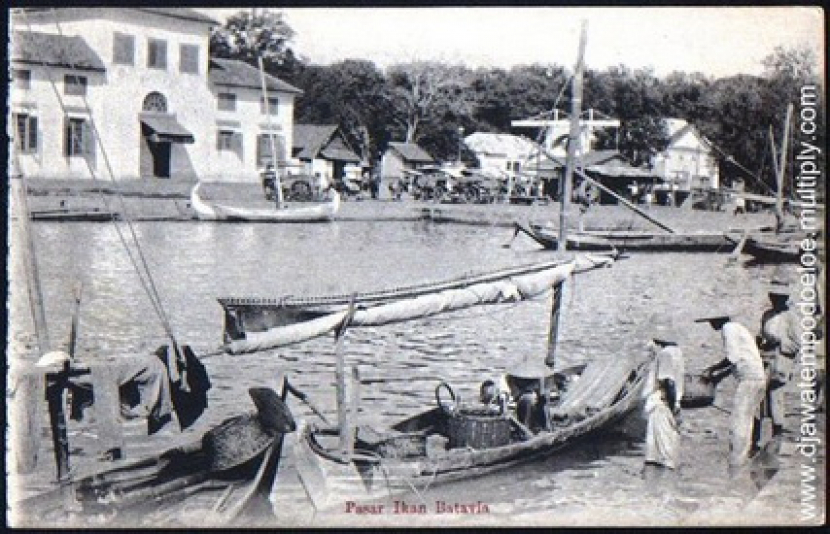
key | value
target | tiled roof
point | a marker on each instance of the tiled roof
(600, 157)
(55, 51)
(411, 152)
(310, 139)
(239, 74)
(172, 12)
(180, 13)
(316, 140)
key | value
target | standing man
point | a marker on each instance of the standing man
(662, 394)
(744, 362)
(780, 342)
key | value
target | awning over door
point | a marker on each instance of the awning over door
(165, 129)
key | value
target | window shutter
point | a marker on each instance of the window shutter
(67, 137)
(218, 140)
(33, 134)
(88, 138)
(237, 144)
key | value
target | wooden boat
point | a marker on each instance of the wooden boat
(225, 474)
(774, 248)
(247, 315)
(442, 445)
(207, 211)
(628, 240)
(549, 239)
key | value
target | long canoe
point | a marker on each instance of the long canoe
(418, 452)
(628, 240)
(247, 316)
(209, 211)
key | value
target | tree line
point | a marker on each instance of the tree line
(435, 103)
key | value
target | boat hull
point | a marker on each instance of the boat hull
(370, 476)
(208, 211)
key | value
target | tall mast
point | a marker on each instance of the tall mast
(573, 138)
(267, 105)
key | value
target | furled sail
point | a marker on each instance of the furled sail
(508, 290)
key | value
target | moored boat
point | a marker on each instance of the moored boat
(209, 211)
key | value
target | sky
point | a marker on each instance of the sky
(714, 41)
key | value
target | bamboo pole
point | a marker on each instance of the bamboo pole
(782, 168)
(271, 140)
(573, 138)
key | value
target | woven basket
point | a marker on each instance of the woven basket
(236, 441)
(478, 428)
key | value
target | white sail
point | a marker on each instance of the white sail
(510, 289)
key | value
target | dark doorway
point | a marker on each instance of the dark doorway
(161, 159)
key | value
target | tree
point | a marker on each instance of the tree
(423, 91)
(351, 93)
(247, 36)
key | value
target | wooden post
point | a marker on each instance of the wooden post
(107, 406)
(573, 139)
(346, 440)
(782, 169)
(26, 405)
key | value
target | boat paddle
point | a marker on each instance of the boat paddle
(516, 231)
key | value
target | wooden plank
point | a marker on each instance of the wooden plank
(107, 409)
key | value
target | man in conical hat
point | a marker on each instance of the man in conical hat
(743, 361)
(662, 393)
(780, 343)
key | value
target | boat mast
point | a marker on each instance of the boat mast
(271, 141)
(28, 251)
(573, 138)
(781, 169)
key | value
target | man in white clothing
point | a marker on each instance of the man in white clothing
(744, 362)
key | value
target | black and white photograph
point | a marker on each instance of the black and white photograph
(434, 266)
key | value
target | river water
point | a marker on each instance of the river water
(605, 315)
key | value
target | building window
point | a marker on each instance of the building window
(271, 108)
(227, 101)
(229, 141)
(123, 49)
(263, 149)
(155, 102)
(26, 133)
(189, 58)
(78, 141)
(157, 54)
(22, 78)
(74, 85)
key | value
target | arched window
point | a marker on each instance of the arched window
(155, 102)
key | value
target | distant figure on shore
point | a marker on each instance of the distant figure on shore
(744, 362)
(662, 393)
(740, 205)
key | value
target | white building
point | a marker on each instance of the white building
(137, 90)
(689, 161)
(501, 154)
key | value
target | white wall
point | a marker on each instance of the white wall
(116, 100)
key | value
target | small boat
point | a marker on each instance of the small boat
(576, 240)
(453, 442)
(207, 211)
(628, 240)
(250, 315)
(221, 477)
(773, 248)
